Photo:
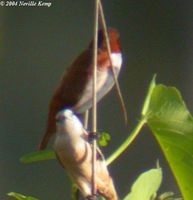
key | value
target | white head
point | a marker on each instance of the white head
(68, 123)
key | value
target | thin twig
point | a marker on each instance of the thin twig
(104, 27)
(86, 117)
(94, 108)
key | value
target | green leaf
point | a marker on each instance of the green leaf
(20, 196)
(104, 137)
(38, 156)
(172, 125)
(148, 96)
(168, 196)
(146, 185)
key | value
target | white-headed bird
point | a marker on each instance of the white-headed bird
(74, 152)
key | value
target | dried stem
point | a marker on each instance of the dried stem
(94, 108)
(104, 27)
(98, 8)
(86, 117)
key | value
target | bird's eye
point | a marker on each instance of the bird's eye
(60, 118)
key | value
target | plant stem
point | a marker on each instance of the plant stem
(94, 96)
(127, 142)
(117, 87)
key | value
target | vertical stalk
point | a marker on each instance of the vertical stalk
(104, 27)
(86, 117)
(94, 108)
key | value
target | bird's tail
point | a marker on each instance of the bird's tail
(109, 192)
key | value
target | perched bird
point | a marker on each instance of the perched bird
(74, 152)
(75, 88)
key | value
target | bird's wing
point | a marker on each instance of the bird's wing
(68, 92)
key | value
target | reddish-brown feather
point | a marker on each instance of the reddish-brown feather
(68, 92)
(74, 81)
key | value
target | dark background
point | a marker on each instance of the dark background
(36, 46)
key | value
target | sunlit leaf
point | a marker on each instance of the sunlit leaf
(38, 156)
(168, 196)
(104, 138)
(148, 96)
(146, 185)
(18, 196)
(172, 125)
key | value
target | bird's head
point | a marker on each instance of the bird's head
(68, 122)
(113, 40)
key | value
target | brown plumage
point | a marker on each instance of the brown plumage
(74, 90)
(68, 93)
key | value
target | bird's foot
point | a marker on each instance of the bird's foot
(92, 136)
(92, 197)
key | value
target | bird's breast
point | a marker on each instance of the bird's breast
(105, 82)
(69, 149)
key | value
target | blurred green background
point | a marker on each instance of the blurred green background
(36, 46)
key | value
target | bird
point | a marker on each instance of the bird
(74, 153)
(75, 88)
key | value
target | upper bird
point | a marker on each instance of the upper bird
(74, 153)
(75, 88)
